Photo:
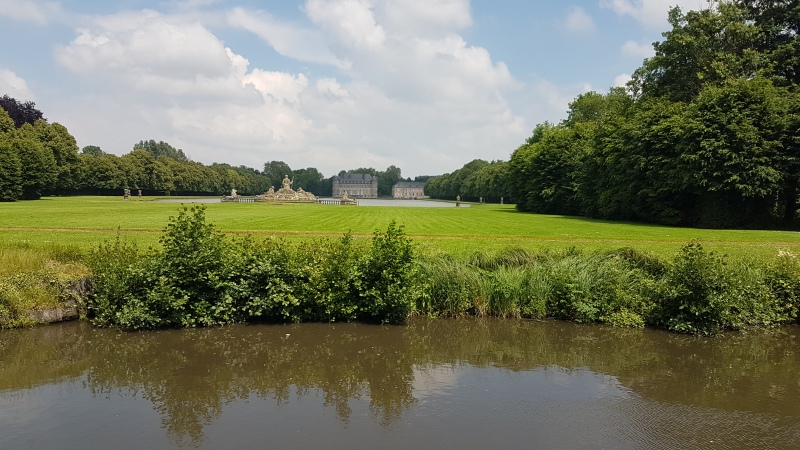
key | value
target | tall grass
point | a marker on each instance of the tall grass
(35, 278)
(695, 292)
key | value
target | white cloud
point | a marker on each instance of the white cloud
(291, 41)
(637, 50)
(419, 97)
(352, 22)
(14, 86)
(424, 17)
(157, 55)
(651, 13)
(621, 80)
(578, 21)
(40, 13)
(277, 86)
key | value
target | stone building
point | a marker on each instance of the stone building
(409, 189)
(356, 185)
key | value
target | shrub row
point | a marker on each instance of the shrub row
(199, 277)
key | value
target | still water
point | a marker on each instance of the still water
(431, 384)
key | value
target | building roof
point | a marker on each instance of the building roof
(354, 178)
(410, 184)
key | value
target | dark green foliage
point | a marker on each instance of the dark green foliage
(450, 185)
(489, 182)
(92, 150)
(547, 173)
(10, 174)
(702, 294)
(387, 281)
(186, 283)
(39, 170)
(202, 278)
(161, 148)
(311, 180)
(706, 135)
(783, 280)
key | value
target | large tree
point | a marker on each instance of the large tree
(275, 171)
(311, 180)
(20, 112)
(10, 165)
(57, 139)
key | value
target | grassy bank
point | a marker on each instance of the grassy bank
(36, 277)
(482, 260)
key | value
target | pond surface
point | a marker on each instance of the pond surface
(431, 384)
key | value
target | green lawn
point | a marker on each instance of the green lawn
(85, 221)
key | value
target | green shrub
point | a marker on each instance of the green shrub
(388, 288)
(202, 278)
(783, 280)
(694, 296)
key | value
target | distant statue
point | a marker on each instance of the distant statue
(481, 200)
(233, 193)
(345, 198)
(271, 190)
(501, 200)
(300, 191)
(140, 194)
(126, 193)
(287, 183)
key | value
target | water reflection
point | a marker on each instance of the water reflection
(492, 381)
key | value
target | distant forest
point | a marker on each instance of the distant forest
(706, 133)
(39, 158)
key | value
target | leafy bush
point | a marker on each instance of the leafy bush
(388, 277)
(202, 278)
(702, 293)
(782, 278)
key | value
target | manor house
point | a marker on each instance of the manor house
(409, 189)
(357, 185)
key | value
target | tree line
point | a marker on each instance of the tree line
(477, 180)
(38, 158)
(705, 134)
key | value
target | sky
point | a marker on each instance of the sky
(425, 85)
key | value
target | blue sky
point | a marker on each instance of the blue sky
(426, 85)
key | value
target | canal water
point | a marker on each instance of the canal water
(431, 384)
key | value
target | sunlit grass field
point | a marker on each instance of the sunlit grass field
(84, 222)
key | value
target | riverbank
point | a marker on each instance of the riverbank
(200, 275)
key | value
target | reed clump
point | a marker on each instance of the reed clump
(696, 291)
